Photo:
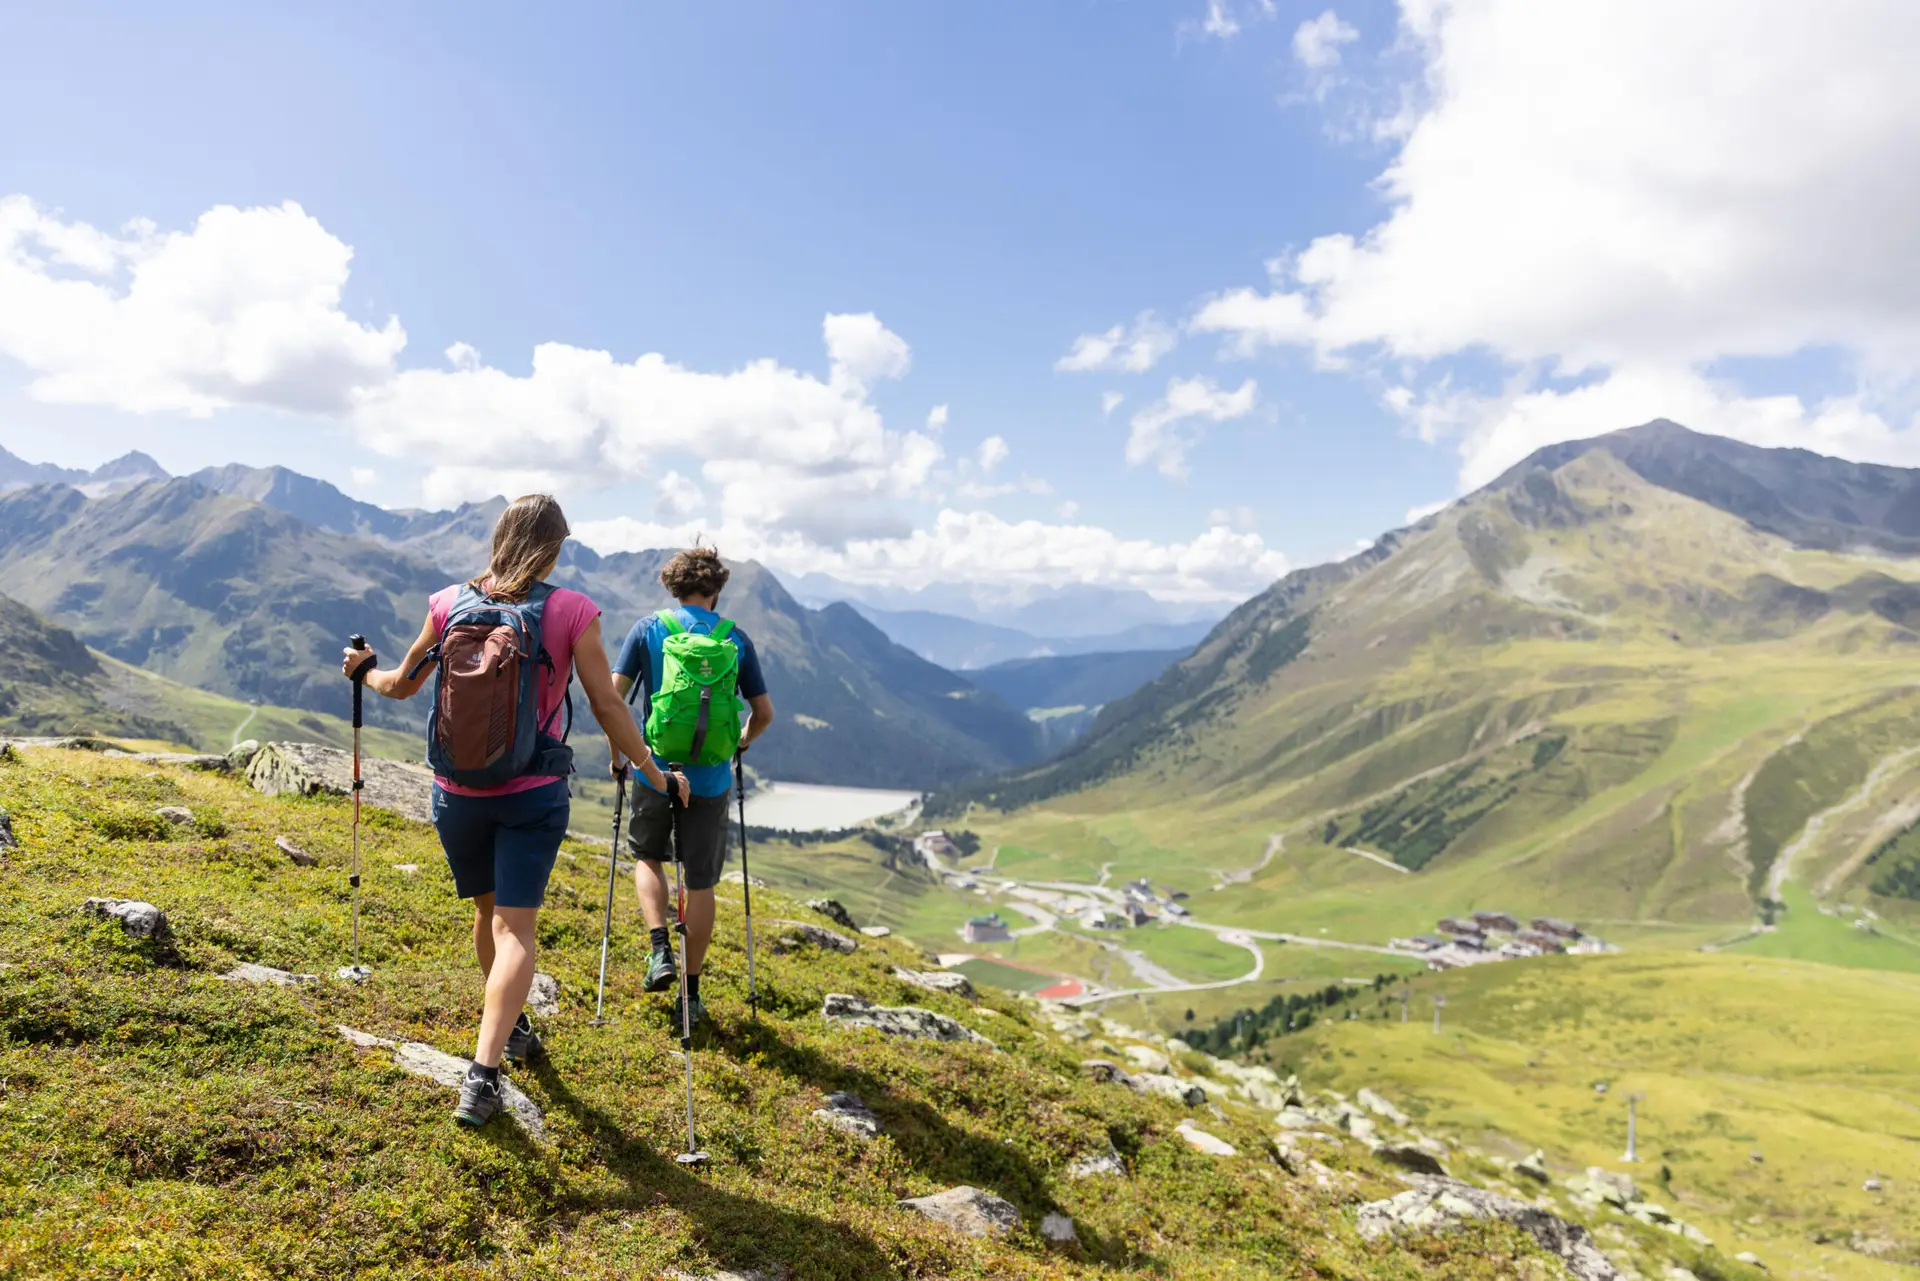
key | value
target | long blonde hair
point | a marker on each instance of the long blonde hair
(526, 546)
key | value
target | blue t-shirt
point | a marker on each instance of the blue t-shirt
(644, 643)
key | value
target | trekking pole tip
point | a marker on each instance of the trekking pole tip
(692, 1158)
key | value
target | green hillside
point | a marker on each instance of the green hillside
(1575, 692)
(54, 685)
(1775, 1090)
(155, 1120)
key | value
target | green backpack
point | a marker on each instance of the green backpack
(694, 717)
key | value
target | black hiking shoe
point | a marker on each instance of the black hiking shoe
(699, 1014)
(523, 1042)
(481, 1099)
(662, 973)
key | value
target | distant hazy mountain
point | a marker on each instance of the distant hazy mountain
(1076, 680)
(124, 472)
(1629, 680)
(223, 592)
(964, 645)
(1076, 610)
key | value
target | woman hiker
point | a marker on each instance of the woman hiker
(510, 644)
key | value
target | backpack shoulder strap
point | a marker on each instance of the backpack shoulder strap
(673, 625)
(723, 629)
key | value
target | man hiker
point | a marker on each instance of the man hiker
(697, 669)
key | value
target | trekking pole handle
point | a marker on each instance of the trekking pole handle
(359, 677)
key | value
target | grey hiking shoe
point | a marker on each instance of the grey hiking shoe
(699, 1011)
(662, 973)
(523, 1042)
(480, 1101)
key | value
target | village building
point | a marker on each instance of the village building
(1555, 926)
(1541, 940)
(1101, 918)
(1496, 921)
(1454, 925)
(1136, 914)
(986, 929)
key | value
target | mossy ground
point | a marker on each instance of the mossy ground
(156, 1121)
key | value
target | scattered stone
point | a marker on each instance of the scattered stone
(241, 755)
(1649, 1212)
(1200, 1141)
(876, 931)
(406, 869)
(1095, 1164)
(1147, 1059)
(1677, 1273)
(833, 910)
(793, 935)
(1691, 1233)
(735, 878)
(1871, 1185)
(1105, 1072)
(248, 972)
(444, 1069)
(1294, 1118)
(848, 1112)
(908, 1021)
(937, 981)
(1381, 1108)
(1751, 1259)
(1058, 1228)
(730, 1274)
(1411, 1156)
(543, 998)
(212, 764)
(7, 839)
(300, 857)
(1438, 1204)
(139, 920)
(1534, 1166)
(1177, 1046)
(7, 755)
(175, 814)
(1615, 1189)
(1360, 1127)
(308, 769)
(968, 1210)
(1171, 1087)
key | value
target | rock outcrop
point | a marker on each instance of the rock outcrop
(1411, 1156)
(909, 1021)
(248, 972)
(299, 856)
(175, 814)
(1438, 1204)
(968, 1210)
(937, 981)
(834, 911)
(1058, 1228)
(307, 769)
(137, 919)
(7, 840)
(543, 998)
(790, 936)
(444, 1069)
(850, 1113)
(1171, 1087)
(1200, 1141)
(1094, 1165)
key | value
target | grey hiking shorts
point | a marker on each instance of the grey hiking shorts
(701, 835)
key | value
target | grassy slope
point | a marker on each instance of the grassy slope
(1703, 728)
(1808, 1065)
(155, 1121)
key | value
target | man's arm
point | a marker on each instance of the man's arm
(753, 688)
(761, 710)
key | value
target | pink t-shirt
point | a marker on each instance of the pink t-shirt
(567, 617)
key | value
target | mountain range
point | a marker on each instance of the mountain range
(966, 645)
(1073, 610)
(244, 581)
(1649, 677)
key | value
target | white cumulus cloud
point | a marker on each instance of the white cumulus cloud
(244, 309)
(993, 452)
(1109, 401)
(1161, 433)
(1132, 349)
(1624, 195)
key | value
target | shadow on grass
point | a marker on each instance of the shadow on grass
(756, 1234)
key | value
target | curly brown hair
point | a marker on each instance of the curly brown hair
(697, 571)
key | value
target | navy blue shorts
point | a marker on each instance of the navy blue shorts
(503, 845)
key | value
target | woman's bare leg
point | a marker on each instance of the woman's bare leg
(508, 980)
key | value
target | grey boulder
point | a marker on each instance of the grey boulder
(299, 856)
(175, 814)
(1172, 1087)
(1095, 1165)
(543, 998)
(968, 1210)
(308, 769)
(1436, 1205)
(7, 840)
(138, 920)
(248, 972)
(908, 1021)
(241, 754)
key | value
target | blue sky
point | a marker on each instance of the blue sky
(990, 183)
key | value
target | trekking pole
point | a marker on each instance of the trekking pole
(358, 971)
(613, 872)
(692, 1156)
(746, 878)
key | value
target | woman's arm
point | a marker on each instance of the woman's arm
(393, 683)
(596, 678)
